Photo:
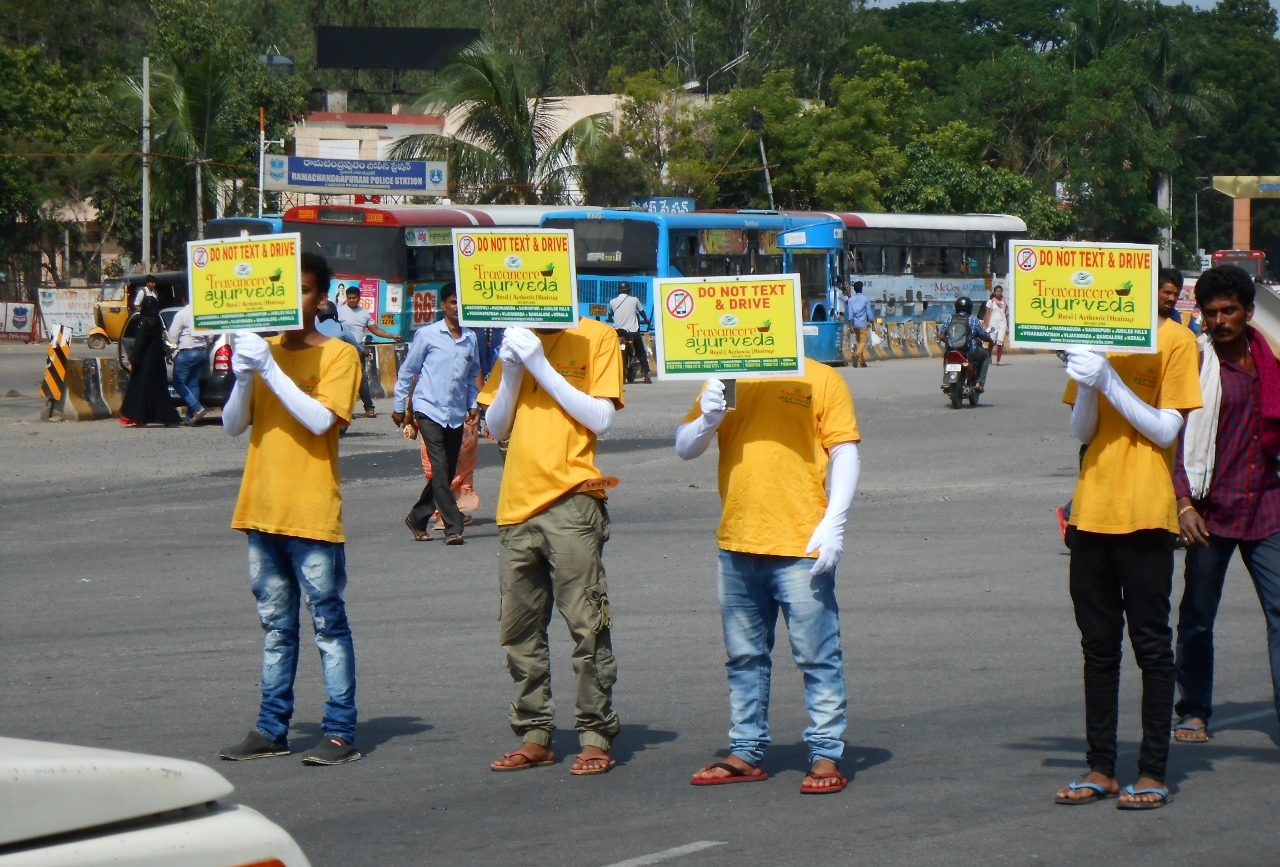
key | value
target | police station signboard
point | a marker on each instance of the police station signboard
(1079, 295)
(728, 327)
(374, 177)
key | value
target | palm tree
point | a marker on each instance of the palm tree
(507, 148)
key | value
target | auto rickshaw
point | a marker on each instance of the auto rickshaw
(114, 305)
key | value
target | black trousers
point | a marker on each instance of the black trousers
(637, 346)
(443, 445)
(1115, 578)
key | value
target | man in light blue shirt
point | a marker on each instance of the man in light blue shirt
(858, 316)
(445, 358)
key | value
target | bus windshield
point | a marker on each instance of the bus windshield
(363, 251)
(613, 247)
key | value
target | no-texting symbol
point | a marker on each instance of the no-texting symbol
(1027, 259)
(467, 245)
(680, 303)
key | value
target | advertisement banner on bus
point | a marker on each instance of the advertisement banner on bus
(1068, 295)
(246, 284)
(728, 327)
(525, 277)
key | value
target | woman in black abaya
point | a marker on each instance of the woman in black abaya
(146, 400)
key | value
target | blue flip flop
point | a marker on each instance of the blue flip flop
(1193, 729)
(1100, 794)
(1144, 805)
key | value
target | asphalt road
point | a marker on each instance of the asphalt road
(126, 622)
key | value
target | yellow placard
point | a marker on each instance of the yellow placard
(1069, 295)
(728, 327)
(524, 277)
(246, 284)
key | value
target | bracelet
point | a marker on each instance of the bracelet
(1185, 509)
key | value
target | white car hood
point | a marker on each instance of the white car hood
(56, 788)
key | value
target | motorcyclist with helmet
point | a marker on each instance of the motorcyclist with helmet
(979, 356)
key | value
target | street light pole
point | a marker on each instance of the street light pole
(1196, 199)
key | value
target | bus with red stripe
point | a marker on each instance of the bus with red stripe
(398, 256)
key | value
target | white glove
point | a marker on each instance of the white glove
(249, 352)
(1089, 368)
(713, 404)
(828, 539)
(843, 471)
(521, 343)
(693, 438)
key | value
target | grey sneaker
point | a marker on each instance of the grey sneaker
(255, 745)
(331, 751)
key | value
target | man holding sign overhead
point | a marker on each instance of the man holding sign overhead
(552, 392)
(296, 391)
(1128, 409)
(787, 474)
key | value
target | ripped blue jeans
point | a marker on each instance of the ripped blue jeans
(283, 570)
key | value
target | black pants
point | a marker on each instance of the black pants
(637, 346)
(1114, 578)
(443, 445)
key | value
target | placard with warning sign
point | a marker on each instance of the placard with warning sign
(728, 327)
(526, 277)
(1068, 295)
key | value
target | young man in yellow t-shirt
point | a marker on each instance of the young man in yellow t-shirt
(1128, 409)
(552, 393)
(297, 391)
(787, 474)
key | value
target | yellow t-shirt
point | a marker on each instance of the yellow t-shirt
(291, 484)
(1126, 481)
(773, 459)
(549, 452)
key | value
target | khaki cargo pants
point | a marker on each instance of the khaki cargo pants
(556, 556)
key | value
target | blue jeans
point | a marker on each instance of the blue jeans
(187, 367)
(1206, 571)
(283, 569)
(752, 589)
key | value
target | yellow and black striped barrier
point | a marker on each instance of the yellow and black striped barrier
(54, 385)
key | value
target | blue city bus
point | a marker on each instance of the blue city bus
(238, 227)
(634, 247)
(612, 247)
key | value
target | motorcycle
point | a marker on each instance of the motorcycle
(959, 373)
(630, 358)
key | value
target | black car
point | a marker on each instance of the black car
(215, 381)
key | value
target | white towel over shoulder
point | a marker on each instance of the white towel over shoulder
(1199, 444)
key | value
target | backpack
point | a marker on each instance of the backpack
(957, 336)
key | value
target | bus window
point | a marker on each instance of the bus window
(926, 261)
(895, 260)
(865, 259)
(368, 250)
(430, 263)
(615, 247)
(954, 261)
(979, 260)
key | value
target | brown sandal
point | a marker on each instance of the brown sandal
(418, 535)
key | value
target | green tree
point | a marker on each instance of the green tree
(509, 146)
